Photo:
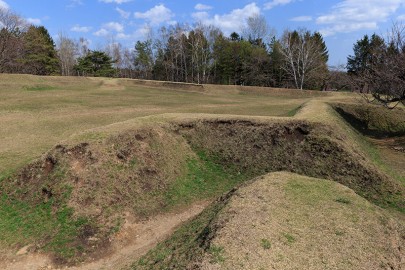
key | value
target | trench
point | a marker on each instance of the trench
(87, 188)
(310, 149)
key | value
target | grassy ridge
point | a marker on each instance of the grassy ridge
(274, 216)
(49, 224)
(38, 112)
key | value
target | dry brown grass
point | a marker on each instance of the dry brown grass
(126, 144)
(38, 112)
(286, 221)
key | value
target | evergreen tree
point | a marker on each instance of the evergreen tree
(277, 73)
(95, 64)
(365, 51)
(143, 58)
(40, 56)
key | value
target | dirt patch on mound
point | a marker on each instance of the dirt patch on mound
(79, 195)
(90, 187)
(297, 146)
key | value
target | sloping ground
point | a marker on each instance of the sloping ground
(373, 120)
(258, 147)
(77, 197)
(73, 200)
(286, 221)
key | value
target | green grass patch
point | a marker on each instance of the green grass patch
(289, 238)
(22, 223)
(217, 254)
(39, 88)
(294, 111)
(205, 178)
(265, 243)
(343, 200)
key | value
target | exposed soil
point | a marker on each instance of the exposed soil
(127, 174)
(296, 146)
(134, 240)
(101, 181)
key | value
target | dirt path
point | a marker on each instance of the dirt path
(133, 241)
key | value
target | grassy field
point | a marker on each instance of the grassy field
(90, 150)
(39, 112)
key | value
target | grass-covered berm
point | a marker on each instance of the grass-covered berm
(127, 157)
(284, 221)
(74, 199)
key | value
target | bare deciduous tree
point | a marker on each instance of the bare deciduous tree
(383, 76)
(256, 29)
(11, 28)
(304, 55)
(67, 52)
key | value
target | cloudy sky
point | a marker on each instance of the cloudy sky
(341, 22)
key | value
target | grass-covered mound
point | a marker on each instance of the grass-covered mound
(256, 147)
(373, 120)
(284, 221)
(76, 197)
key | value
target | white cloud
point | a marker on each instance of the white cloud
(75, 3)
(80, 29)
(4, 5)
(202, 7)
(124, 14)
(34, 21)
(229, 22)
(200, 16)
(123, 36)
(401, 17)
(156, 15)
(115, 1)
(274, 3)
(101, 33)
(353, 15)
(301, 19)
(108, 28)
(113, 26)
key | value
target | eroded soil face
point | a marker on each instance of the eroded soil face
(295, 146)
(133, 171)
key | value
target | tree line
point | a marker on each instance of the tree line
(204, 54)
(198, 54)
(377, 67)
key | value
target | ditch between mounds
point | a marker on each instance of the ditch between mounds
(79, 194)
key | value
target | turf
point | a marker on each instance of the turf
(39, 112)
(149, 148)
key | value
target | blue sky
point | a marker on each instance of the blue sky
(341, 22)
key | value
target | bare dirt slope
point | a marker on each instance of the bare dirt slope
(134, 240)
(286, 221)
